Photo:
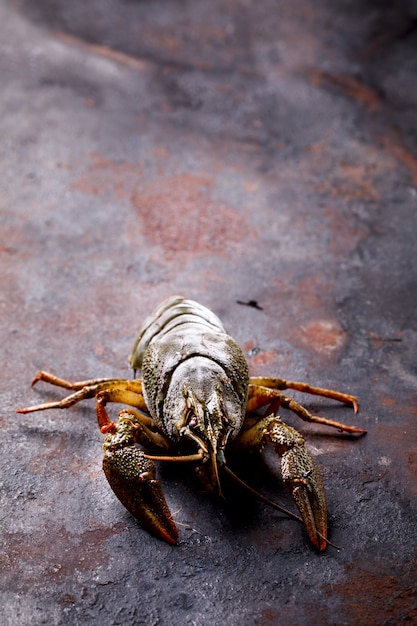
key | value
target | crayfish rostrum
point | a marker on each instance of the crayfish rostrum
(195, 402)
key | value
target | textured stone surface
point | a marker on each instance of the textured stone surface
(227, 151)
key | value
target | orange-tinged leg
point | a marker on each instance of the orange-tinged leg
(260, 396)
(130, 473)
(118, 389)
(281, 384)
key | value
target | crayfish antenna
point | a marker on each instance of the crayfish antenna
(273, 504)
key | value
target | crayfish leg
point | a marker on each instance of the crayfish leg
(117, 390)
(281, 383)
(260, 396)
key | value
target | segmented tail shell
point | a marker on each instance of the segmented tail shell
(182, 330)
(171, 314)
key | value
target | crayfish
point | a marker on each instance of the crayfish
(194, 403)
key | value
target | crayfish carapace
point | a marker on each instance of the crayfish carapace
(194, 403)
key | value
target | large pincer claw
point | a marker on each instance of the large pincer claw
(303, 478)
(132, 477)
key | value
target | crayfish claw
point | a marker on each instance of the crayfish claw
(132, 478)
(303, 478)
(308, 494)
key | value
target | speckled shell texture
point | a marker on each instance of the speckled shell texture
(181, 331)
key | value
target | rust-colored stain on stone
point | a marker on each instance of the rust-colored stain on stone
(57, 559)
(344, 235)
(264, 357)
(178, 214)
(393, 593)
(359, 178)
(324, 335)
(314, 325)
(119, 57)
(108, 178)
(350, 86)
(398, 147)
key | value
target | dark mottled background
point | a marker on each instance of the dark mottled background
(226, 151)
